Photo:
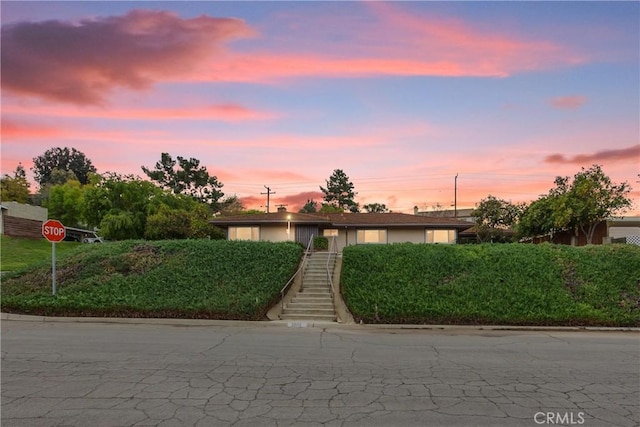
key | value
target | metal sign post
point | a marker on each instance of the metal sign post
(53, 268)
(53, 231)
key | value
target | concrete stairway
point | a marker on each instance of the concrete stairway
(313, 301)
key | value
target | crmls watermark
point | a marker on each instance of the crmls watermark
(559, 418)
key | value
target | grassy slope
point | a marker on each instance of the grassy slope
(493, 284)
(187, 278)
(16, 253)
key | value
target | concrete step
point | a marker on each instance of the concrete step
(315, 292)
(322, 311)
(316, 288)
(312, 300)
(310, 305)
(326, 318)
(319, 279)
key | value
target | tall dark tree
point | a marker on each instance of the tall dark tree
(186, 176)
(15, 188)
(339, 192)
(376, 208)
(62, 159)
(310, 207)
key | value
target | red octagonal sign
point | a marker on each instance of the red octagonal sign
(53, 230)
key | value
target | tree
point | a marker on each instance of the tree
(127, 207)
(339, 192)
(327, 208)
(493, 218)
(182, 176)
(578, 205)
(376, 208)
(65, 203)
(119, 205)
(15, 188)
(590, 199)
(64, 159)
(310, 207)
(537, 219)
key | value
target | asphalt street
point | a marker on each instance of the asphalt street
(261, 374)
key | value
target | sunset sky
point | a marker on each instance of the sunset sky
(399, 95)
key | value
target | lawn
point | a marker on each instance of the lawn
(17, 253)
(513, 284)
(208, 279)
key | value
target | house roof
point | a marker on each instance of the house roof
(390, 219)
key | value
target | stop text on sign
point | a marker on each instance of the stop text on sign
(53, 231)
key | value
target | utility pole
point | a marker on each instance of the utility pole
(455, 196)
(268, 193)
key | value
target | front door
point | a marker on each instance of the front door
(305, 232)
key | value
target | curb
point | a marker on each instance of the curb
(306, 324)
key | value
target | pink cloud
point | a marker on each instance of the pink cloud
(19, 130)
(629, 154)
(230, 112)
(81, 62)
(568, 102)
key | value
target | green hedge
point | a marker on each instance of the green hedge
(320, 243)
(180, 278)
(493, 284)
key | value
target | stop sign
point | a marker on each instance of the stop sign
(53, 230)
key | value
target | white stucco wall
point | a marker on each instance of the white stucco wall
(618, 232)
(407, 236)
(277, 233)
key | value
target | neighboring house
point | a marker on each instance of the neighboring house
(460, 214)
(21, 220)
(348, 228)
(612, 230)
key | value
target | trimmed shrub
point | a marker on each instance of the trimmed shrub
(320, 243)
(493, 284)
(210, 279)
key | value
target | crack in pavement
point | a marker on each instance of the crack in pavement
(291, 377)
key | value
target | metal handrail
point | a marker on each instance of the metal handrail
(333, 250)
(302, 264)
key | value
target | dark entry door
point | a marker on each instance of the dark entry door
(304, 233)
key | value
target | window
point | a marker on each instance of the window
(330, 232)
(372, 236)
(441, 236)
(244, 233)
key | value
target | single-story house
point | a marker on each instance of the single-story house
(348, 228)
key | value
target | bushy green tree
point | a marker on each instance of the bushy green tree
(127, 207)
(118, 206)
(494, 218)
(65, 203)
(15, 188)
(578, 205)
